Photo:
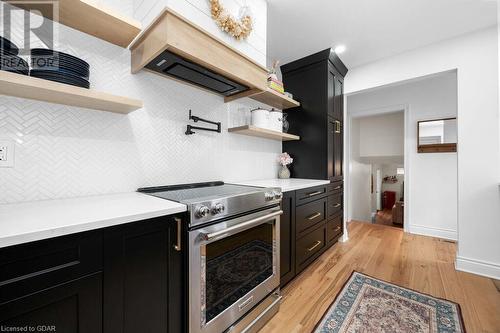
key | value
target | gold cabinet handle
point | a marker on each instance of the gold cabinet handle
(314, 246)
(337, 126)
(177, 246)
(312, 194)
(337, 205)
(337, 229)
(313, 216)
(338, 187)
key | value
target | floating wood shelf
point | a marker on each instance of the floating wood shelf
(263, 133)
(23, 86)
(88, 17)
(268, 96)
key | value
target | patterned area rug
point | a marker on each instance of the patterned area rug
(366, 304)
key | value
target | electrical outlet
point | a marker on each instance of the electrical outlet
(6, 154)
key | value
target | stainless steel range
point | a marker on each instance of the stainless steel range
(233, 254)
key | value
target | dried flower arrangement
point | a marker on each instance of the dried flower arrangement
(238, 29)
(284, 159)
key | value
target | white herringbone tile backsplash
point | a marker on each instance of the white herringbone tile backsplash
(63, 151)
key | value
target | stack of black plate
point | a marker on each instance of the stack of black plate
(59, 67)
(9, 61)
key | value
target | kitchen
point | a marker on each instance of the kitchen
(161, 199)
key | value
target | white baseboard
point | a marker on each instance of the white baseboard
(478, 267)
(433, 232)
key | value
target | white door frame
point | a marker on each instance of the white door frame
(347, 154)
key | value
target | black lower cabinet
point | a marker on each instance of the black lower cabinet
(143, 278)
(287, 238)
(74, 306)
(128, 278)
(311, 223)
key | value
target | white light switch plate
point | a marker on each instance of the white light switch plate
(6, 154)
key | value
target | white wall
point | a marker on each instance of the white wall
(63, 151)
(360, 196)
(382, 135)
(198, 11)
(475, 57)
(432, 184)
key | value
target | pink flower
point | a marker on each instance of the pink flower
(284, 159)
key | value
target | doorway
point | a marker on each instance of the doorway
(377, 168)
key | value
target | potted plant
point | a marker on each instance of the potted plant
(284, 160)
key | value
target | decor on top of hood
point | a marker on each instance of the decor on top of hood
(190, 128)
(238, 29)
(284, 160)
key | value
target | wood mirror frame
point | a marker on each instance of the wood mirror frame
(437, 147)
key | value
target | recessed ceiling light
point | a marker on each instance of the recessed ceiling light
(339, 49)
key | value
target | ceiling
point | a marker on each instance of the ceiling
(370, 29)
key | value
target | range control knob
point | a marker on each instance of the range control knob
(202, 211)
(269, 196)
(218, 208)
(278, 195)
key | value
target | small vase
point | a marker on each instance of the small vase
(283, 172)
(286, 124)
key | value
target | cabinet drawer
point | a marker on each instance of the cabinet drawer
(310, 194)
(38, 265)
(74, 306)
(334, 205)
(309, 215)
(310, 247)
(335, 188)
(333, 229)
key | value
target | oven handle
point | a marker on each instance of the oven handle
(241, 226)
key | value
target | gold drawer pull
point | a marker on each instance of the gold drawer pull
(337, 229)
(337, 205)
(177, 246)
(337, 126)
(312, 194)
(338, 187)
(313, 216)
(314, 246)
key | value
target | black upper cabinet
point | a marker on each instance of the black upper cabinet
(317, 81)
(143, 278)
(335, 150)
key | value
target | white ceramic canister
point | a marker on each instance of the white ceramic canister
(276, 120)
(260, 118)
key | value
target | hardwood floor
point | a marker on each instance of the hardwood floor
(385, 217)
(422, 263)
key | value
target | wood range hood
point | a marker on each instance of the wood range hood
(176, 48)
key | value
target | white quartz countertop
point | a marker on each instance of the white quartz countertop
(31, 221)
(286, 185)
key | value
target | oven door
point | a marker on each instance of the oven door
(233, 265)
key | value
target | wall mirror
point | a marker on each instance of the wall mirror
(437, 136)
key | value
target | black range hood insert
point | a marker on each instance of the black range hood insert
(179, 68)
